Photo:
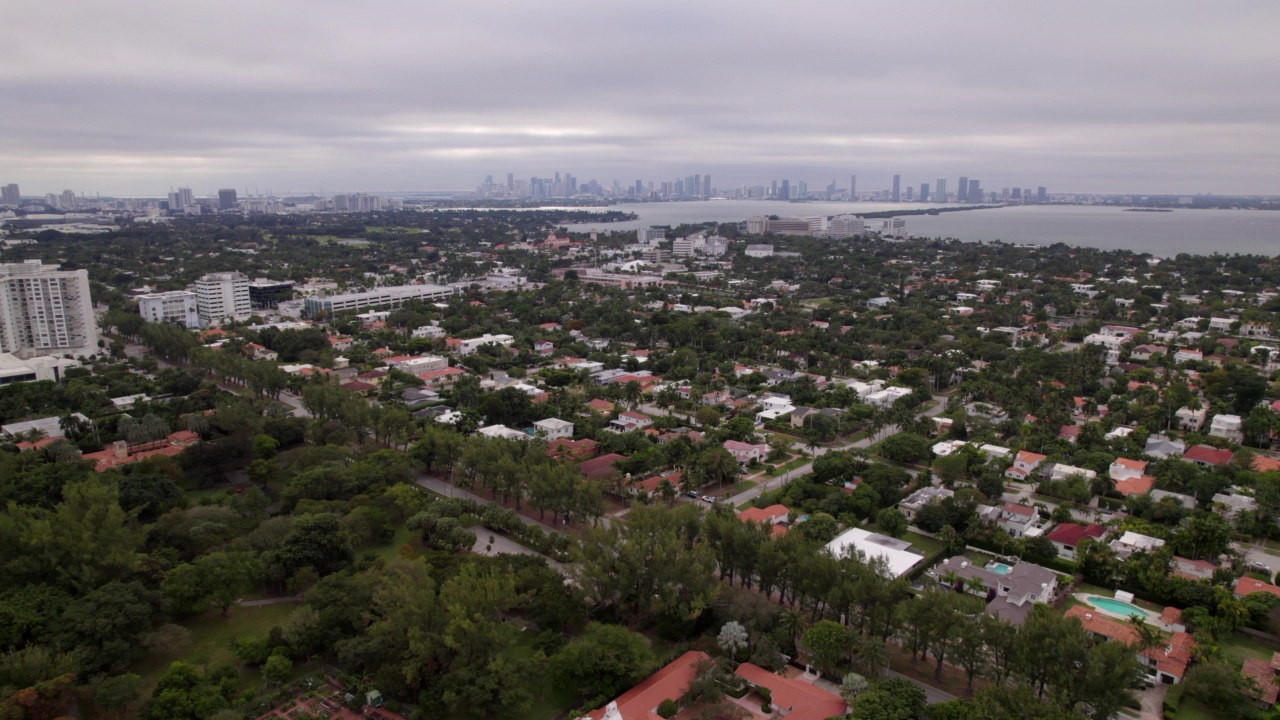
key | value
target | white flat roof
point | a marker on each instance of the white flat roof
(873, 545)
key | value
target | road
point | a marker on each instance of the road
(746, 496)
(933, 694)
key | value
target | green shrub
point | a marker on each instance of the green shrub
(668, 708)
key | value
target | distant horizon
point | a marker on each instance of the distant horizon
(128, 98)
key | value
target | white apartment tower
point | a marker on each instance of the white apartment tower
(178, 306)
(45, 311)
(223, 295)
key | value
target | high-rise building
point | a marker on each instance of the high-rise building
(975, 191)
(1042, 195)
(511, 182)
(924, 192)
(940, 190)
(45, 310)
(227, 199)
(853, 187)
(68, 200)
(9, 195)
(962, 190)
(178, 306)
(897, 194)
(786, 190)
(52, 200)
(639, 188)
(186, 198)
(706, 186)
(1017, 194)
(223, 295)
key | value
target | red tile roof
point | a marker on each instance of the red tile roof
(1209, 455)
(601, 468)
(803, 700)
(1247, 585)
(669, 683)
(1135, 486)
(773, 513)
(1171, 658)
(1264, 674)
(1070, 534)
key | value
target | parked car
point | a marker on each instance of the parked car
(708, 498)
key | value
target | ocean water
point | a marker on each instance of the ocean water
(1164, 234)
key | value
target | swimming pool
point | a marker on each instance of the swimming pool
(999, 568)
(1117, 607)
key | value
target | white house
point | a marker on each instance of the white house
(1230, 427)
(554, 428)
(744, 453)
(1132, 542)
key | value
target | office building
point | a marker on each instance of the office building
(785, 191)
(962, 190)
(853, 187)
(9, 195)
(1017, 194)
(393, 296)
(940, 191)
(45, 310)
(227, 199)
(924, 192)
(266, 293)
(975, 191)
(222, 296)
(844, 226)
(1042, 195)
(896, 195)
(178, 306)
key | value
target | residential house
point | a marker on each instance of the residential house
(1234, 503)
(1060, 471)
(641, 702)
(442, 378)
(603, 467)
(554, 429)
(122, 453)
(887, 397)
(793, 697)
(1024, 463)
(746, 453)
(773, 406)
(1229, 427)
(1190, 420)
(918, 499)
(1247, 586)
(630, 420)
(777, 516)
(1206, 456)
(1187, 355)
(1167, 662)
(1131, 542)
(416, 397)
(800, 415)
(1017, 520)
(1143, 353)
(1125, 468)
(1066, 537)
(1265, 674)
(1192, 569)
(502, 432)
(565, 449)
(1010, 595)
(1159, 446)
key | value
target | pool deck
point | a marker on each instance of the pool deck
(1152, 617)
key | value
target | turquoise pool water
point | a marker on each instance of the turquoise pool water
(1116, 606)
(999, 568)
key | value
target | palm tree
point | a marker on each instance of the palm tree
(791, 621)
(1149, 636)
(871, 658)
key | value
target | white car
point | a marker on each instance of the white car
(708, 498)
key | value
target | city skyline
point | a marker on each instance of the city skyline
(1145, 97)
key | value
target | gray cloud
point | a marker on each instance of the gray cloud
(132, 97)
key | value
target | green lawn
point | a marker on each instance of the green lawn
(789, 466)
(930, 546)
(1192, 710)
(1240, 647)
(392, 549)
(211, 634)
(738, 487)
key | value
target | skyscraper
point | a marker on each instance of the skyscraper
(706, 185)
(940, 193)
(511, 182)
(45, 311)
(785, 193)
(853, 187)
(975, 191)
(227, 199)
(897, 181)
(924, 192)
(9, 194)
(962, 190)
(639, 188)
(185, 197)
(1042, 195)
(68, 201)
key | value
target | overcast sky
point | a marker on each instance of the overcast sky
(130, 97)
